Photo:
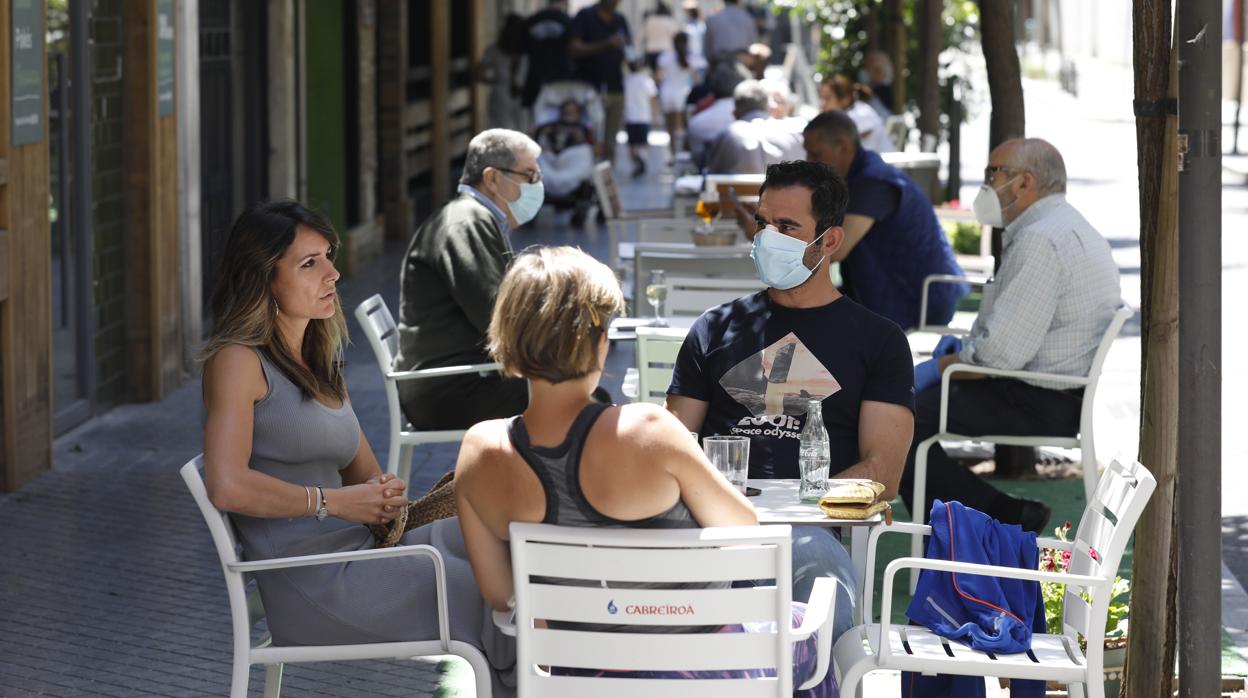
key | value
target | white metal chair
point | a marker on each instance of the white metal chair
(617, 217)
(1084, 441)
(1107, 523)
(383, 336)
(246, 610)
(694, 295)
(657, 348)
(540, 552)
(730, 261)
(961, 324)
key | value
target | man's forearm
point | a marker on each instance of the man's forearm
(872, 468)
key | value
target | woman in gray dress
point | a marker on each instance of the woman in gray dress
(284, 454)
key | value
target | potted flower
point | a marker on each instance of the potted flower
(1054, 560)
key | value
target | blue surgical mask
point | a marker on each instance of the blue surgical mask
(525, 208)
(778, 259)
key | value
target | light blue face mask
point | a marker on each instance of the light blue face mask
(778, 259)
(525, 208)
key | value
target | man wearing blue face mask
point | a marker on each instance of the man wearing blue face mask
(451, 272)
(750, 367)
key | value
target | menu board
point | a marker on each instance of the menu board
(164, 57)
(26, 56)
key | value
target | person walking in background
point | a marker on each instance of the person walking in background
(658, 32)
(599, 35)
(695, 28)
(500, 67)
(547, 34)
(729, 32)
(641, 106)
(837, 92)
(877, 71)
(678, 69)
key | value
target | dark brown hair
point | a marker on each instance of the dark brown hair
(245, 312)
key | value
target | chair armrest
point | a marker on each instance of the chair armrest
(820, 615)
(281, 563)
(439, 573)
(951, 369)
(868, 591)
(505, 621)
(890, 574)
(943, 279)
(442, 371)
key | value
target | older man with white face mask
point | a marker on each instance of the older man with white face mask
(1045, 310)
(451, 272)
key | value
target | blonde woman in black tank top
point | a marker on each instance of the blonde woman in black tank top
(568, 460)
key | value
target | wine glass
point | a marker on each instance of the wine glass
(656, 293)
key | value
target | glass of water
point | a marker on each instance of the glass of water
(656, 293)
(731, 457)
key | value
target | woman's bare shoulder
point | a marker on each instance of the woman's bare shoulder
(234, 370)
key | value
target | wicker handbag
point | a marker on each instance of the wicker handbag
(439, 503)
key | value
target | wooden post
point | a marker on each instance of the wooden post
(25, 277)
(897, 51)
(392, 58)
(1154, 576)
(930, 40)
(153, 293)
(440, 99)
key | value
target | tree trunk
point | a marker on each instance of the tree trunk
(897, 52)
(1151, 648)
(928, 19)
(1005, 83)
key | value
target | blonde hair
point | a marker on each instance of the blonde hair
(552, 307)
(244, 311)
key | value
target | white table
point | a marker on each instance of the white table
(626, 327)
(778, 504)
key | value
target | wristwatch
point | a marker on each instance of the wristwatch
(322, 510)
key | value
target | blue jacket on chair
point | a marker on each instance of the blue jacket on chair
(987, 613)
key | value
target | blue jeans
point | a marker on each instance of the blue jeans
(817, 552)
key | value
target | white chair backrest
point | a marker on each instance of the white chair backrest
(1119, 319)
(1100, 540)
(607, 191)
(690, 260)
(541, 553)
(679, 229)
(695, 295)
(383, 336)
(227, 550)
(657, 348)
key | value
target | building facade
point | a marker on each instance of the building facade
(133, 132)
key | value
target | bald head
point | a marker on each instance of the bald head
(1023, 171)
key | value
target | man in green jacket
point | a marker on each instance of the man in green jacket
(450, 275)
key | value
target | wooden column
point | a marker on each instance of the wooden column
(25, 285)
(153, 293)
(440, 98)
(392, 58)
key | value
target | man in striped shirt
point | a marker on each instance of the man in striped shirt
(1044, 311)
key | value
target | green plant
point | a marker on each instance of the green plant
(963, 236)
(1054, 560)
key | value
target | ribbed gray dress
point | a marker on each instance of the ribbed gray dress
(305, 442)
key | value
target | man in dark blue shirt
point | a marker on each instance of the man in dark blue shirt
(751, 366)
(599, 35)
(893, 240)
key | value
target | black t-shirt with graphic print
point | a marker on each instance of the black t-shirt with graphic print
(758, 364)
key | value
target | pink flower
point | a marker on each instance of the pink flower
(1093, 554)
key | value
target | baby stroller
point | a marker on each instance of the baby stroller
(569, 118)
